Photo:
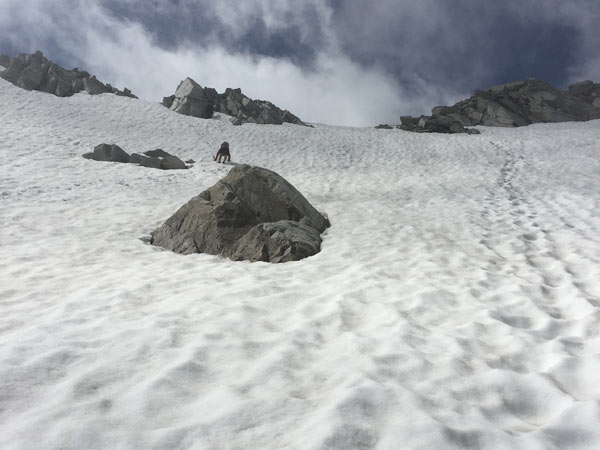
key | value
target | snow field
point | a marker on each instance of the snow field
(455, 303)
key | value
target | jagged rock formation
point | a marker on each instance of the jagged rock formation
(36, 72)
(252, 214)
(157, 159)
(192, 99)
(513, 105)
(518, 104)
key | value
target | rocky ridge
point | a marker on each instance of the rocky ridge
(191, 99)
(35, 72)
(513, 104)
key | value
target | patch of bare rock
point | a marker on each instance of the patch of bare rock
(157, 159)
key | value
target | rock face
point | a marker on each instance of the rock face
(252, 214)
(192, 99)
(156, 159)
(518, 104)
(513, 105)
(36, 72)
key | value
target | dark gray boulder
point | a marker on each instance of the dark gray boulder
(252, 213)
(158, 159)
(384, 126)
(167, 161)
(36, 72)
(108, 152)
(192, 99)
(168, 101)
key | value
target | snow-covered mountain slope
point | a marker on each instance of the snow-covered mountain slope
(455, 303)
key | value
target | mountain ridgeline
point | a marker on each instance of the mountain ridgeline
(512, 104)
(36, 72)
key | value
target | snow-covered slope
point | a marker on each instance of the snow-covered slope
(455, 303)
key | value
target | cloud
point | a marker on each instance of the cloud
(334, 61)
(469, 44)
(333, 89)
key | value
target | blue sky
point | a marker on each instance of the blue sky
(345, 62)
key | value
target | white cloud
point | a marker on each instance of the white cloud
(335, 90)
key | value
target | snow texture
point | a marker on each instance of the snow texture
(455, 303)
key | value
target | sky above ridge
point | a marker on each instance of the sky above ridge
(341, 62)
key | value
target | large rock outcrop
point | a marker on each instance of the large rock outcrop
(513, 104)
(192, 99)
(252, 214)
(35, 72)
(518, 104)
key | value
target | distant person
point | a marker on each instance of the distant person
(223, 153)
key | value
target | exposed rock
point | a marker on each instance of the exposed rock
(384, 126)
(587, 91)
(168, 101)
(94, 87)
(108, 152)
(4, 61)
(434, 124)
(252, 213)
(513, 104)
(192, 99)
(520, 103)
(166, 160)
(409, 123)
(36, 72)
(172, 162)
(277, 242)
